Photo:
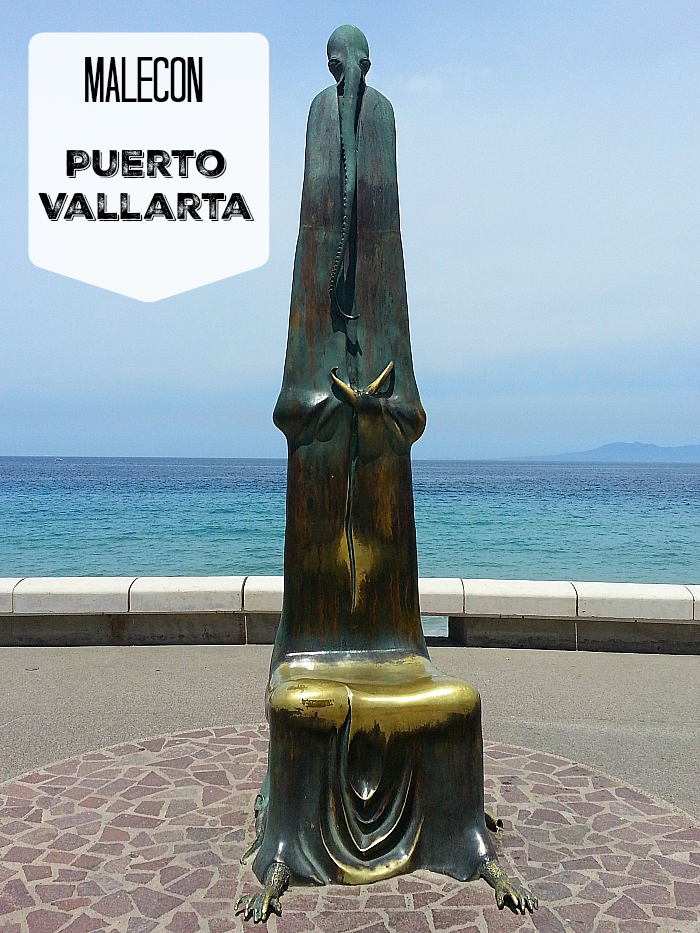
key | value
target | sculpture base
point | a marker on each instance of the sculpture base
(375, 769)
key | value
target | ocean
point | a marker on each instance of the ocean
(173, 517)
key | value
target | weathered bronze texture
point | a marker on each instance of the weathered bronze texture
(375, 763)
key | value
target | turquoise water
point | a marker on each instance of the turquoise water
(558, 521)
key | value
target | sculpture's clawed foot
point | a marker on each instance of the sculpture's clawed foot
(517, 898)
(258, 906)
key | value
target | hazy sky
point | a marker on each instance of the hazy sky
(549, 176)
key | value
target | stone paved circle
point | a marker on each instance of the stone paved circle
(147, 835)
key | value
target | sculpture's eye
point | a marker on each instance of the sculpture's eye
(365, 64)
(335, 66)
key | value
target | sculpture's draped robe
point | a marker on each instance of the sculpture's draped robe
(375, 762)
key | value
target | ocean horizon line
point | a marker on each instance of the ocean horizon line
(573, 458)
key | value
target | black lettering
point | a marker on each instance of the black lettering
(155, 79)
(157, 160)
(183, 155)
(105, 172)
(79, 207)
(95, 81)
(140, 79)
(125, 99)
(125, 212)
(132, 163)
(211, 172)
(76, 161)
(179, 99)
(53, 211)
(194, 80)
(214, 203)
(236, 207)
(188, 203)
(159, 207)
(112, 81)
(102, 213)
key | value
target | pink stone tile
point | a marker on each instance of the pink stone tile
(289, 922)
(107, 848)
(16, 896)
(121, 751)
(650, 894)
(405, 920)
(22, 854)
(89, 889)
(154, 904)
(344, 921)
(36, 872)
(545, 815)
(48, 893)
(71, 904)
(150, 807)
(175, 764)
(71, 874)
(626, 909)
(184, 921)
(580, 916)
(153, 745)
(678, 869)
(19, 791)
(197, 880)
(93, 803)
(149, 860)
(84, 924)
(212, 795)
(170, 873)
(114, 905)
(687, 894)
(675, 913)
(140, 925)
(46, 921)
(87, 861)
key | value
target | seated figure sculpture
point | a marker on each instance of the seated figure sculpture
(375, 761)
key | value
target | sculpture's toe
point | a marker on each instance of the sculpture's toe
(253, 906)
(258, 906)
(520, 898)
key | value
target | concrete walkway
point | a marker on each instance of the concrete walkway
(636, 717)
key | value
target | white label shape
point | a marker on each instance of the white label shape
(138, 99)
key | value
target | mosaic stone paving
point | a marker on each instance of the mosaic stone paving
(146, 836)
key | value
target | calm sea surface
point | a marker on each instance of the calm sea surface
(564, 521)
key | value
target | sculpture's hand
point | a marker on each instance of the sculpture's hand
(349, 394)
(258, 906)
(373, 386)
(520, 898)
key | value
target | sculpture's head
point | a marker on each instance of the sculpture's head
(348, 59)
(348, 62)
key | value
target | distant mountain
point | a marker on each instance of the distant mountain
(630, 453)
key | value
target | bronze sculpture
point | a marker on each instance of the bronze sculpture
(375, 763)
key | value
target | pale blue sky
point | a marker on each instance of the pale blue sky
(549, 173)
